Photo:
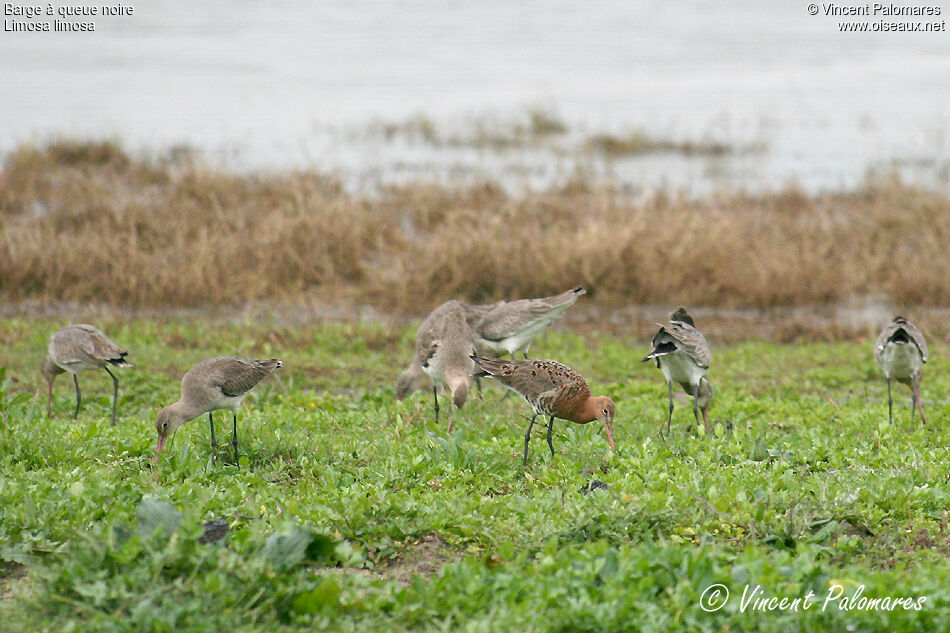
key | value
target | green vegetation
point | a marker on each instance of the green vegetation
(351, 512)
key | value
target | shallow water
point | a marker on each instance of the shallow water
(284, 85)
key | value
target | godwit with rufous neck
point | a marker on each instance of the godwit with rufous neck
(552, 389)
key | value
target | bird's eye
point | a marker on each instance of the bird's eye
(605, 412)
(165, 425)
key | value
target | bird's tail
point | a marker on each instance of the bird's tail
(682, 316)
(120, 361)
(660, 350)
(487, 367)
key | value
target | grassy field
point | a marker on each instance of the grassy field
(351, 512)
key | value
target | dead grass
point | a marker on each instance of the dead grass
(87, 223)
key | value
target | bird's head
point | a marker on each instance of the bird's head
(165, 424)
(49, 369)
(606, 411)
(705, 394)
(459, 388)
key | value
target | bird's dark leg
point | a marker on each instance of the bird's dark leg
(916, 386)
(214, 442)
(78, 396)
(234, 441)
(478, 385)
(435, 397)
(669, 418)
(115, 392)
(527, 438)
(890, 402)
(551, 430)
(49, 398)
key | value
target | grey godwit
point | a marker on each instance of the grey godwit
(211, 385)
(443, 350)
(901, 352)
(414, 378)
(511, 327)
(553, 390)
(77, 348)
(682, 354)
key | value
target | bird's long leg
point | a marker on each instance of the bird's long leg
(551, 430)
(49, 398)
(234, 441)
(78, 396)
(478, 385)
(527, 438)
(916, 385)
(696, 407)
(890, 402)
(669, 419)
(115, 392)
(451, 416)
(214, 442)
(435, 397)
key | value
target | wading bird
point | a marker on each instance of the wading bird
(77, 348)
(552, 389)
(901, 352)
(443, 350)
(512, 326)
(213, 384)
(682, 354)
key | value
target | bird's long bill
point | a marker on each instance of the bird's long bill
(160, 445)
(610, 435)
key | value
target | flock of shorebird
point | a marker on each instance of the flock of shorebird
(459, 343)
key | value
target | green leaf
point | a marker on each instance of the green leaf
(326, 594)
(760, 451)
(286, 550)
(157, 517)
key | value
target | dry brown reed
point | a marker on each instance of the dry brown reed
(86, 222)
